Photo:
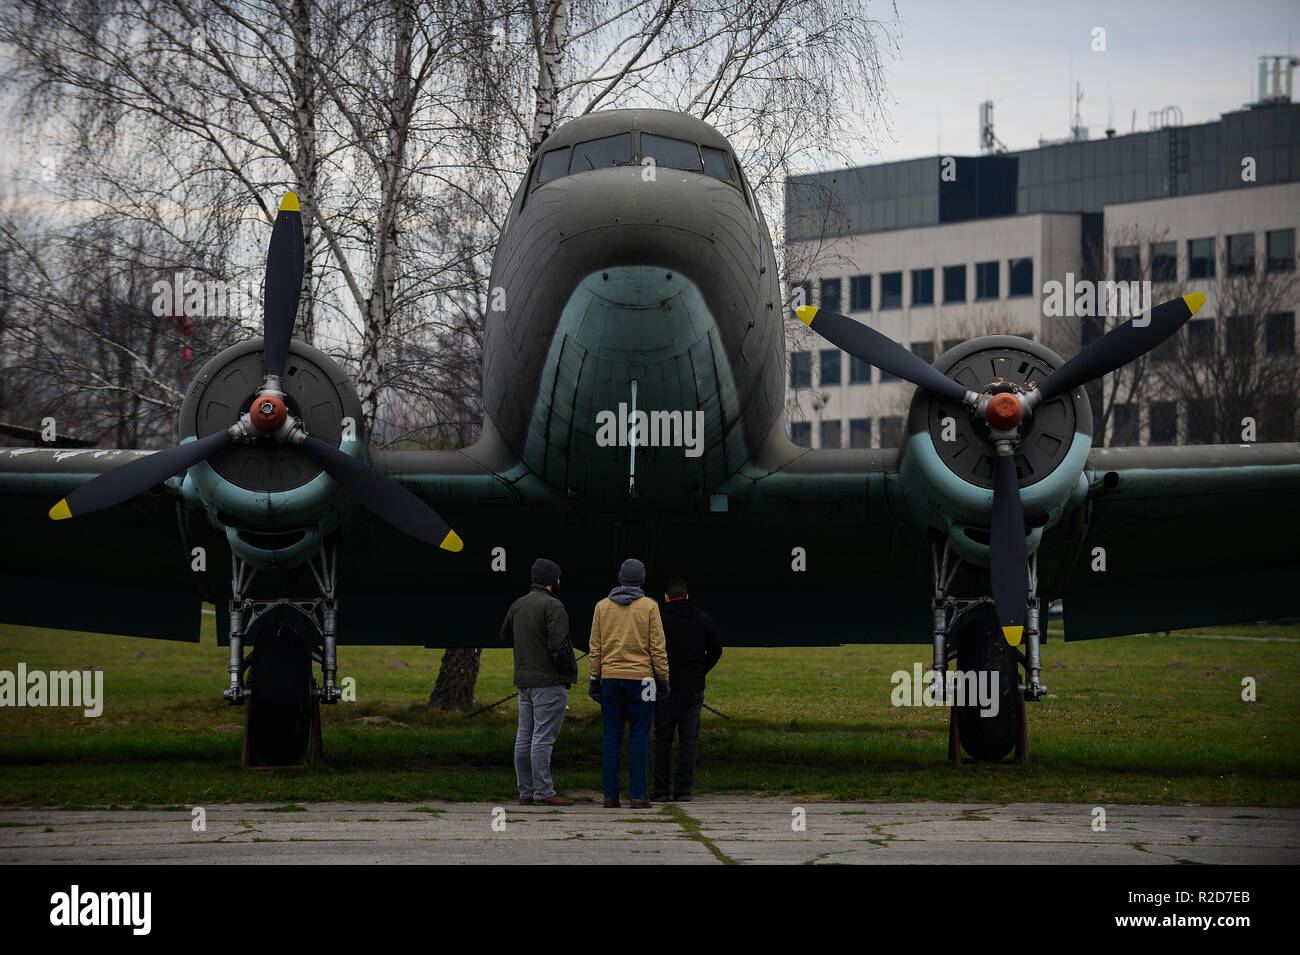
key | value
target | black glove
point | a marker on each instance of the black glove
(662, 690)
(593, 688)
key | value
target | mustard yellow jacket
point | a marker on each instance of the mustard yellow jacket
(627, 642)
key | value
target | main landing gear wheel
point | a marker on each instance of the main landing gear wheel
(983, 650)
(282, 724)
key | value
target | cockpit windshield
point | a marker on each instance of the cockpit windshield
(618, 150)
(671, 153)
(600, 153)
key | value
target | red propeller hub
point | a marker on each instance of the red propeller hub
(268, 413)
(1004, 412)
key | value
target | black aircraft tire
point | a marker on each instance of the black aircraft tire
(280, 711)
(981, 647)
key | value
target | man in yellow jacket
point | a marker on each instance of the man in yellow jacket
(628, 671)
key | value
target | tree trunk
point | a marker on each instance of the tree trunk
(454, 690)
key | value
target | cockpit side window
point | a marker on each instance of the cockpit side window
(671, 153)
(602, 153)
(554, 165)
(716, 163)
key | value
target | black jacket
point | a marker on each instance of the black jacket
(694, 647)
(537, 626)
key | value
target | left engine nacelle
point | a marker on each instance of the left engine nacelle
(946, 469)
(274, 505)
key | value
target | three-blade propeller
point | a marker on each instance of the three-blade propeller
(1004, 412)
(387, 500)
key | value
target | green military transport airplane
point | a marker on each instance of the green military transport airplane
(633, 384)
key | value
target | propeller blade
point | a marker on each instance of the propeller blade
(115, 486)
(384, 498)
(1123, 344)
(867, 344)
(1008, 562)
(284, 266)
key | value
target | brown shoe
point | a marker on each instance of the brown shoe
(525, 800)
(556, 800)
(611, 803)
(640, 804)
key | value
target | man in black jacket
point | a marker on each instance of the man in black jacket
(693, 650)
(537, 626)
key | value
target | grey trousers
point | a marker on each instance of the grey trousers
(541, 711)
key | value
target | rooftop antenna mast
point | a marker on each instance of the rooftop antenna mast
(989, 143)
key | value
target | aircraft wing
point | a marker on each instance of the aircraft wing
(1186, 536)
(122, 570)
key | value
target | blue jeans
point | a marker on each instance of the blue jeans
(541, 711)
(621, 700)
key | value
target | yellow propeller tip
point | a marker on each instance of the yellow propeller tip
(290, 203)
(1194, 301)
(806, 313)
(452, 542)
(60, 511)
(1013, 635)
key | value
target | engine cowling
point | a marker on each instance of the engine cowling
(274, 505)
(946, 469)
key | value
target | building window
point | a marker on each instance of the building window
(801, 433)
(1124, 427)
(1164, 261)
(1200, 338)
(860, 293)
(1281, 250)
(1240, 336)
(831, 435)
(986, 280)
(924, 351)
(830, 299)
(1241, 254)
(922, 286)
(954, 283)
(1200, 259)
(859, 372)
(949, 343)
(1020, 278)
(1279, 333)
(1164, 422)
(830, 366)
(891, 432)
(1278, 423)
(891, 290)
(860, 433)
(801, 369)
(1127, 266)
(1202, 421)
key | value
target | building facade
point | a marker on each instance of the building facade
(1046, 243)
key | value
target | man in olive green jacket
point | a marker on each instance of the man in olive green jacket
(537, 627)
(628, 670)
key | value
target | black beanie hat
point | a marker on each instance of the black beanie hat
(545, 572)
(632, 573)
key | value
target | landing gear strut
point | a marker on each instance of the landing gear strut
(986, 697)
(282, 723)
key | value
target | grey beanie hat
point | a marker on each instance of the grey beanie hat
(632, 573)
(545, 572)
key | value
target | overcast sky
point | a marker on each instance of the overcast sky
(1200, 55)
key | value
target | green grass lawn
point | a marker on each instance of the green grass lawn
(1155, 719)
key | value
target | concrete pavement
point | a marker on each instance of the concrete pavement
(709, 831)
